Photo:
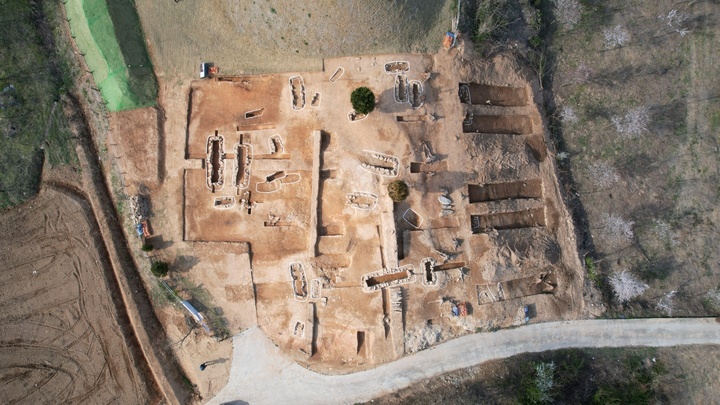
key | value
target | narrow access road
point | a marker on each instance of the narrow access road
(262, 374)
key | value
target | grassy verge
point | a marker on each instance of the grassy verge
(33, 80)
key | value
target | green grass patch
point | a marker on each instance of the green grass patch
(32, 80)
(112, 41)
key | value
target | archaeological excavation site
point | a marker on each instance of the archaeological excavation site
(280, 169)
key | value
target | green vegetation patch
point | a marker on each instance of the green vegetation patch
(32, 80)
(111, 39)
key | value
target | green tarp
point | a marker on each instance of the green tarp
(108, 32)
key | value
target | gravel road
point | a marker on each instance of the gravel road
(262, 374)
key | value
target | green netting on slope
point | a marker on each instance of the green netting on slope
(108, 33)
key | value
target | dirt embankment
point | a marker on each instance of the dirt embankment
(148, 330)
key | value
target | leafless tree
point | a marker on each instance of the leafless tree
(626, 287)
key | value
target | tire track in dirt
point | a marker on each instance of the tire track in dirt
(56, 318)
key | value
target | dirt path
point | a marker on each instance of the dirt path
(262, 374)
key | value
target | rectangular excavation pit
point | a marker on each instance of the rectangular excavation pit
(397, 67)
(299, 329)
(487, 94)
(299, 282)
(215, 161)
(275, 176)
(278, 223)
(254, 113)
(416, 94)
(532, 188)
(420, 167)
(428, 265)
(243, 161)
(331, 230)
(387, 278)
(507, 220)
(315, 288)
(449, 266)
(362, 200)
(312, 320)
(380, 163)
(411, 118)
(361, 343)
(328, 174)
(543, 283)
(224, 202)
(297, 88)
(337, 74)
(401, 89)
(499, 124)
(276, 145)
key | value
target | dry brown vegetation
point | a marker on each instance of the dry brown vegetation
(264, 37)
(642, 144)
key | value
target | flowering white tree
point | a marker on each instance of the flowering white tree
(615, 36)
(674, 20)
(568, 114)
(602, 174)
(545, 380)
(626, 287)
(633, 123)
(617, 230)
(665, 303)
(568, 12)
(665, 233)
(713, 297)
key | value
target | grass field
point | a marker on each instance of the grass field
(111, 39)
(32, 81)
(282, 36)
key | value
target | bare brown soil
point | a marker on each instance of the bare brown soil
(65, 337)
(500, 124)
(135, 145)
(494, 95)
(531, 188)
(309, 199)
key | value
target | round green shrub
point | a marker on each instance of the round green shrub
(398, 190)
(159, 268)
(147, 247)
(362, 100)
